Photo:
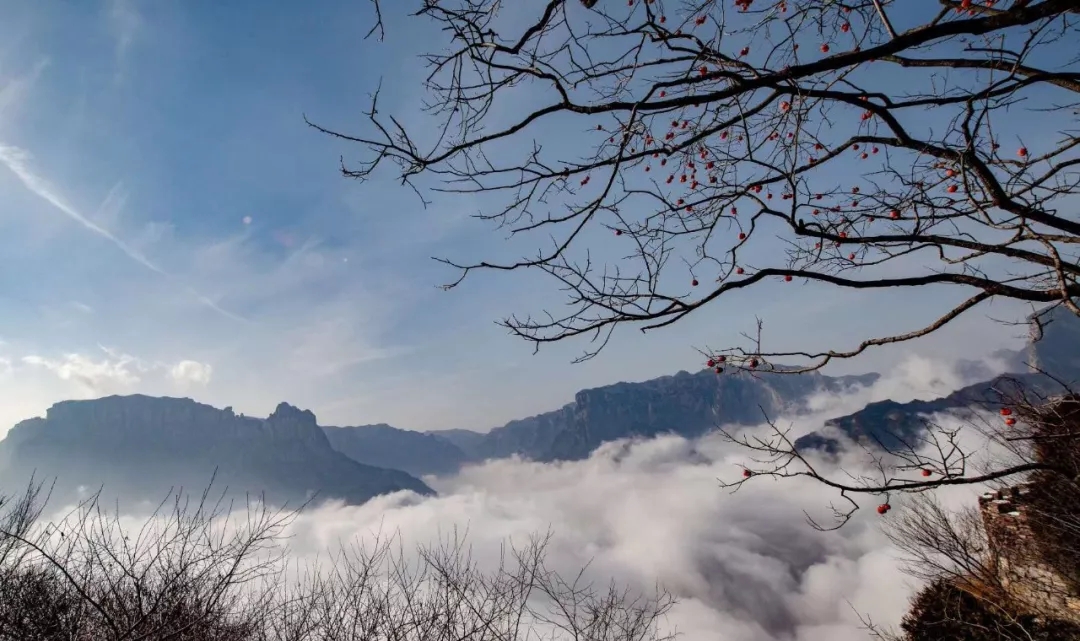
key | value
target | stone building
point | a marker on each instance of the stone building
(1015, 547)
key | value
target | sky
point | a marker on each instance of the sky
(170, 226)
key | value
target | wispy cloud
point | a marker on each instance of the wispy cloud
(13, 93)
(330, 318)
(744, 566)
(34, 377)
(18, 161)
(125, 23)
(109, 210)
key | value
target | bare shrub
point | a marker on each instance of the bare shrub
(194, 571)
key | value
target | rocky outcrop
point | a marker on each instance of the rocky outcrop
(124, 441)
(890, 425)
(141, 446)
(288, 451)
(692, 404)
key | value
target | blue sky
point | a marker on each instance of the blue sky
(136, 140)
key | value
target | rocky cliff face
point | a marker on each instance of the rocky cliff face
(691, 404)
(140, 447)
(685, 404)
(134, 438)
(124, 441)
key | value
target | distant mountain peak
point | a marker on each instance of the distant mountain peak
(417, 453)
(291, 413)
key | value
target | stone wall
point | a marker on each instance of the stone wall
(1027, 578)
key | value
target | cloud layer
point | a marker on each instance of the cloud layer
(745, 566)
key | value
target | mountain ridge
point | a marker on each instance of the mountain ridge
(684, 403)
(143, 445)
(1051, 358)
(417, 453)
(625, 409)
(289, 453)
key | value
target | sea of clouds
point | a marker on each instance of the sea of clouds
(744, 565)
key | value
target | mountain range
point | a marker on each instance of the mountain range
(141, 446)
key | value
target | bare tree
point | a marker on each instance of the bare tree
(867, 145)
(194, 572)
(716, 146)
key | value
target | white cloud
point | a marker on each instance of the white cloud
(108, 212)
(913, 378)
(18, 161)
(321, 314)
(745, 566)
(317, 319)
(94, 375)
(116, 372)
(32, 380)
(191, 372)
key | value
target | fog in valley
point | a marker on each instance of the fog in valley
(745, 565)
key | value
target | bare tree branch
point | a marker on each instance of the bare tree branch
(708, 144)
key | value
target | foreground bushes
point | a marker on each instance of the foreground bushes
(942, 610)
(195, 572)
